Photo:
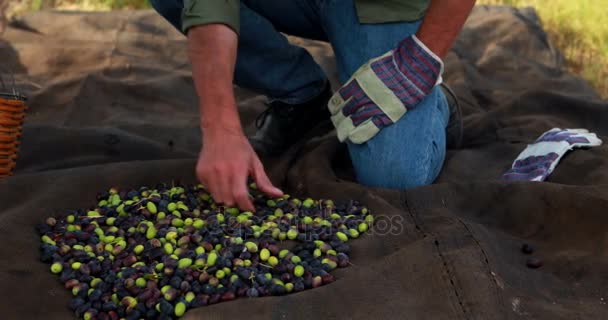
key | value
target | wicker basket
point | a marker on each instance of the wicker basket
(12, 114)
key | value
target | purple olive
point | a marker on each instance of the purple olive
(534, 263)
(171, 294)
(228, 296)
(527, 248)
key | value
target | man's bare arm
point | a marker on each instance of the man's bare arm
(227, 159)
(212, 50)
(442, 24)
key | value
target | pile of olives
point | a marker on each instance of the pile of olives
(153, 253)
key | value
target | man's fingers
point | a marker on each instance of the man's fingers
(208, 179)
(239, 191)
(241, 196)
(261, 179)
(219, 185)
(226, 191)
(216, 190)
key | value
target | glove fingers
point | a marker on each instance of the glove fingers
(363, 132)
(344, 126)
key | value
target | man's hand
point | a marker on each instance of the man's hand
(224, 165)
(227, 159)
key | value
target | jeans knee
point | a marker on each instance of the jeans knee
(396, 173)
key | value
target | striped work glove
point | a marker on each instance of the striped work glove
(539, 159)
(384, 89)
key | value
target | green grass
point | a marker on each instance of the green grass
(579, 28)
(25, 5)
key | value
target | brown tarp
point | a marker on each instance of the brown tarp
(112, 104)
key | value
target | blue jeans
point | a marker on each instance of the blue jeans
(407, 154)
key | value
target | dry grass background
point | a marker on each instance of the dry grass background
(578, 27)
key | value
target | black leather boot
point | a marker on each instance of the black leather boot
(454, 130)
(282, 125)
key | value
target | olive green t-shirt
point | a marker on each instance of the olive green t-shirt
(200, 12)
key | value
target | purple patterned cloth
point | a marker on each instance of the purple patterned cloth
(410, 72)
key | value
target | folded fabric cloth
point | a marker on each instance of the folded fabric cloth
(539, 159)
(382, 90)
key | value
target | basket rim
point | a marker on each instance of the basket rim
(13, 96)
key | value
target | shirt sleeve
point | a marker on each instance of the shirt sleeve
(201, 12)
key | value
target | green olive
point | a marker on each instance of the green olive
(289, 287)
(264, 254)
(251, 246)
(110, 221)
(177, 222)
(233, 211)
(242, 218)
(369, 219)
(141, 282)
(198, 223)
(48, 240)
(292, 234)
(171, 235)
(308, 203)
(138, 249)
(56, 268)
(298, 271)
(220, 274)
(168, 248)
(211, 259)
(152, 207)
(190, 296)
(275, 233)
(184, 263)
(363, 227)
(317, 253)
(171, 206)
(94, 282)
(129, 302)
(273, 261)
(329, 262)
